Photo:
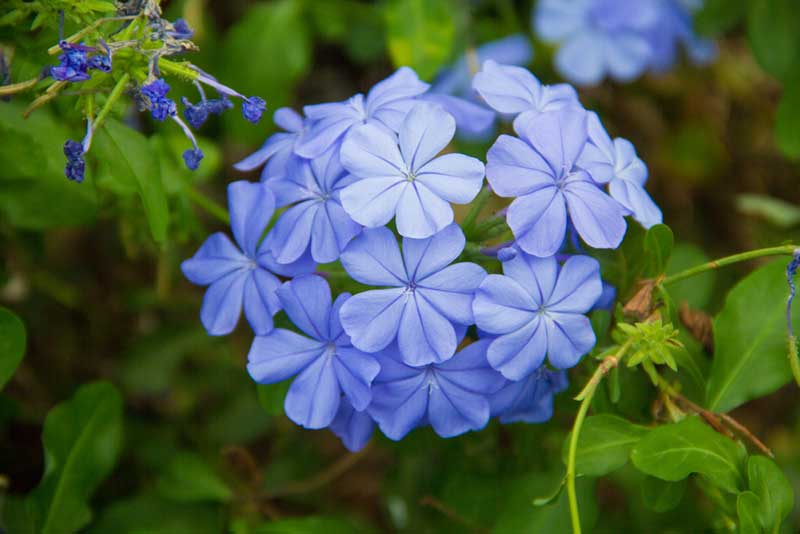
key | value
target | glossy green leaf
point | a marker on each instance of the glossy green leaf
(747, 508)
(697, 290)
(189, 477)
(674, 451)
(773, 210)
(128, 160)
(604, 444)
(788, 117)
(12, 344)
(421, 34)
(82, 439)
(661, 495)
(774, 492)
(750, 348)
(658, 242)
(773, 29)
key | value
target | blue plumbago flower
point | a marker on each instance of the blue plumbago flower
(616, 163)
(386, 105)
(75, 164)
(326, 363)
(514, 90)
(243, 275)
(607, 298)
(277, 153)
(160, 106)
(252, 108)
(452, 88)
(539, 170)
(408, 180)
(354, 428)
(529, 400)
(452, 396)
(537, 309)
(195, 115)
(316, 220)
(73, 63)
(192, 157)
(427, 299)
(674, 28)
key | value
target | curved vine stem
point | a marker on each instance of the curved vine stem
(783, 250)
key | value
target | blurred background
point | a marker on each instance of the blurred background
(206, 450)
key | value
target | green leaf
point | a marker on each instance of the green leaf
(658, 243)
(150, 514)
(774, 492)
(750, 348)
(773, 28)
(311, 525)
(81, 438)
(747, 508)
(128, 159)
(672, 452)
(661, 495)
(604, 444)
(719, 16)
(696, 290)
(271, 396)
(421, 34)
(774, 210)
(189, 477)
(12, 344)
(787, 119)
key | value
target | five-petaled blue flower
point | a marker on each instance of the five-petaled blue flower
(428, 300)
(386, 105)
(316, 221)
(243, 276)
(529, 400)
(540, 171)
(277, 153)
(537, 309)
(453, 396)
(327, 365)
(408, 180)
(616, 163)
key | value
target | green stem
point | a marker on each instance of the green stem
(468, 223)
(782, 250)
(116, 92)
(18, 87)
(74, 38)
(794, 362)
(585, 396)
(178, 69)
(207, 204)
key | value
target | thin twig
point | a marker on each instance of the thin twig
(322, 478)
(451, 514)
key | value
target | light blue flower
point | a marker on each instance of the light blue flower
(354, 428)
(277, 153)
(529, 400)
(402, 175)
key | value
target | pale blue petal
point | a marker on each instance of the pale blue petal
(501, 305)
(581, 59)
(304, 265)
(569, 336)
(288, 119)
(281, 354)
(507, 89)
(597, 217)
(215, 258)
(352, 427)
(426, 131)
(598, 156)
(424, 257)
(558, 136)
(473, 121)
(373, 258)
(454, 177)
(470, 371)
(453, 411)
(275, 144)
(260, 300)
(539, 221)
(421, 213)
(374, 201)
(372, 318)
(513, 168)
(635, 198)
(307, 302)
(332, 231)
(537, 275)
(291, 235)
(222, 303)
(555, 20)
(355, 371)
(402, 84)
(251, 206)
(578, 286)
(517, 354)
(425, 335)
(313, 398)
(628, 166)
(452, 290)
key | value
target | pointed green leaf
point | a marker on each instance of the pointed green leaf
(12, 344)
(661, 495)
(672, 452)
(658, 242)
(750, 348)
(786, 120)
(773, 29)
(81, 440)
(604, 444)
(775, 494)
(190, 478)
(747, 508)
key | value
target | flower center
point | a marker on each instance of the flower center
(330, 350)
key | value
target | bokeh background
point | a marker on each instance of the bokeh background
(204, 449)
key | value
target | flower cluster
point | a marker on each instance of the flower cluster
(432, 340)
(619, 38)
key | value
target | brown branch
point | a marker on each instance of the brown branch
(743, 430)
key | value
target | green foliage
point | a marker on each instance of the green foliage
(308, 525)
(190, 478)
(774, 210)
(673, 452)
(12, 344)
(697, 290)
(421, 33)
(651, 343)
(82, 439)
(150, 514)
(661, 495)
(773, 29)
(787, 118)
(658, 243)
(750, 348)
(718, 16)
(604, 444)
(770, 499)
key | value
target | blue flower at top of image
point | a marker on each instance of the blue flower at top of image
(428, 300)
(616, 163)
(327, 366)
(453, 396)
(316, 221)
(537, 308)
(674, 29)
(529, 400)
(241, 275)
(539, 170)
(402, 175)
(277, 152)
(515, 91)
(385, 106)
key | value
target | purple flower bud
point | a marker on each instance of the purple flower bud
(75, 165)
(195, 115)
(75, 171)
(181, 30)
(100, 62)
(253, 108)
(218, 105)
(161, 107)
(73, 150)
(73, 64)
(192, 158)
(156, 89)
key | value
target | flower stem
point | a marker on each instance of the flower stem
(794, 362)
(468, 223)
(178, 69)
(207, 204)
(116, 92)
(18, 87)
(782, 250)
(585, 396)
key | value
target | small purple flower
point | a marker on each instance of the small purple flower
(73, 63)
(252, 108)
(76, 166)
(160, 106)
(218, 106)
(386, 105)
(529, 400)
(407, 179)
(195, 115)
(181, 30)
(539, 170)
(616, 163)
(316, 221)
(242, 276)
(277, 153)
(451, 396)
(326, 364)
(192, 157)
(428, 299)
(536, 309)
